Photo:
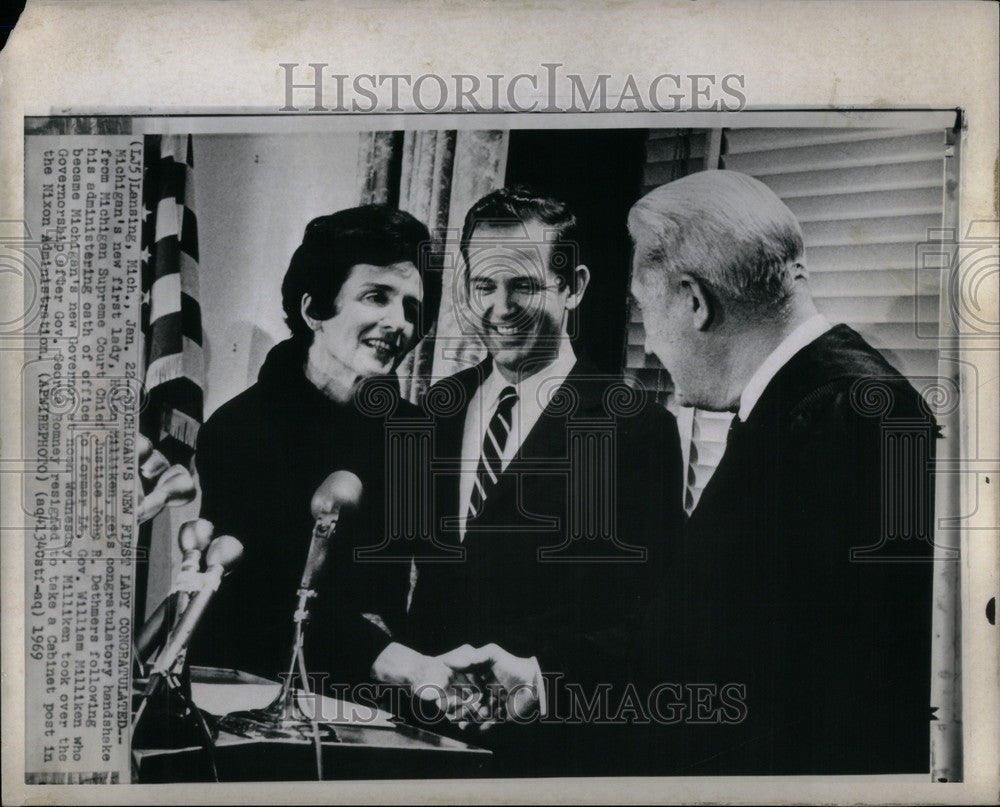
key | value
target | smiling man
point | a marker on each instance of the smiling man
(351, 298)
(557, 487)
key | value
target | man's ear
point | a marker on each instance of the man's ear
(581, 277)
(700, 304)
(310, 320)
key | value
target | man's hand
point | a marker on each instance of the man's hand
(520, 679)
(429, 678)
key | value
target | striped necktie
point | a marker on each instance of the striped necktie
(735, 428)
(489, 460)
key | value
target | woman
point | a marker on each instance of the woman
(351, 298)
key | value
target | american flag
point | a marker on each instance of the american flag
(171, 315)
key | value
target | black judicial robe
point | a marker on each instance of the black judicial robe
(804, 578)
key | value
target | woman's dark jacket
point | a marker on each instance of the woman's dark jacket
(260, 458)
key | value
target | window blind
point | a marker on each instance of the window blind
(865, 199)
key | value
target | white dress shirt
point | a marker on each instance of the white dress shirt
(533, 395)
(807, 332)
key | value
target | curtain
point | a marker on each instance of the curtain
(425, 185)
(480, 167)
(379, 156)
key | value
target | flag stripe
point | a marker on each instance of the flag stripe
(165, 297)
(189, 276)
(174, 332)
(189, 203)
(182, 393)
(171, 176)
(173, 149)
(189, 234)
(174, 365)
(191, 319)
(168, 220)
(166, 257)
(177, 324)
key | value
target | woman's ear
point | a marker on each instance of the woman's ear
(311, 321)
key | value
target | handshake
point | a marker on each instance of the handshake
(470, 686)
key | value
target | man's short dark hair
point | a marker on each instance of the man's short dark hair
(519, 205)
(331, 245)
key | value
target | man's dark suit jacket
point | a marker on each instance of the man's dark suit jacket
(537, 575)
(833, 648)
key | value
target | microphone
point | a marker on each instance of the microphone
(144, 447)
(222, 555)
(152, 463)
(174, 487)
(193, 538)
(339, 490)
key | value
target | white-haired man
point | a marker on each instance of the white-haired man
(800, 605)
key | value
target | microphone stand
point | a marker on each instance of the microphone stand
(177, 693)
(170, 665)
(285, 710)
(284, 717)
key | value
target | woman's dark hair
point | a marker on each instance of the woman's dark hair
(331, 245)
(521, 204)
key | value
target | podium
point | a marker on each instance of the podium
(357, 742)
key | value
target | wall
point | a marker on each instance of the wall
(255, 194)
